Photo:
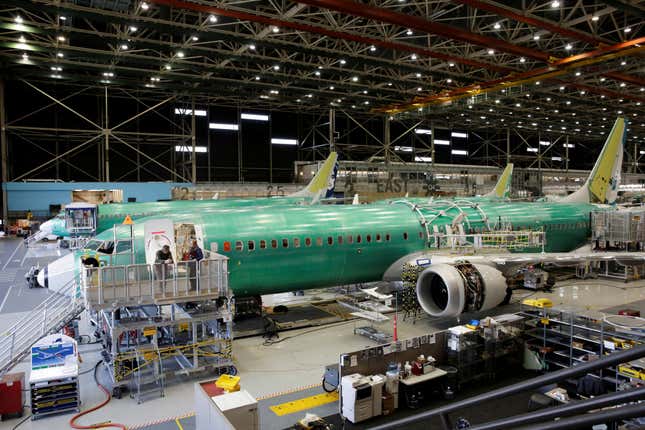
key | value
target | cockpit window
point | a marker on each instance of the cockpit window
(93, 245)
(107, 247)
(123, 246)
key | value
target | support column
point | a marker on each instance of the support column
(332, 130)
(270, 148)
(208, 141)
(386, 137)
(239, 145)
(566, 164)
(106, 131)
(432, 146)
(5, 152)
(193, 139)
(508, 145)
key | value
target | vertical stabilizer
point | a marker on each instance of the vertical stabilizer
(602, 184)
(322, 185)
(503, 187)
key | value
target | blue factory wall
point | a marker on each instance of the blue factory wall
(39, 196)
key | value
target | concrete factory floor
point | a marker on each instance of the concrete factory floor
(297, 362)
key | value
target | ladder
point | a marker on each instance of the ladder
(149, 375)
(50, 316)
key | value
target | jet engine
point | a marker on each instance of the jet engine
(446, 290)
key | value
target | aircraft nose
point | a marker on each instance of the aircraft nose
(46, 227)
(58, 274)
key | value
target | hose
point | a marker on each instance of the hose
(108, 397)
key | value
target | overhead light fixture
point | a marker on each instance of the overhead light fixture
(275, 29)
(491, 51)
(422, 131)
(442, 142)
(522, 60)
(222, 126)
(254, 117)
(108, 74)
(389, 84)
(22, 39)
(180, 54)
(568, 47)
(545, 142)
(343, 61)
(623, 63)
(60, 38)
(133, 28)
(578, 73)
(168, 67)
(195, 38)
(212, 19)
(124, 47)
(25, 56)
(372, 48)
(274, 92)
(403, 148)
(419, 89)
(622, 84)
(189, 112)
(556, 158)
(317, 73)
(257, 78)
(60, 54)
(157, 79)
(595, 18)
(449, 80)
(529, 149)
(423, 159)
(309, 95)
(354, 78)
(145, 6)
(459, 134)
(366, 102)
(281, 141)
(458, 151)
(414, 56)
(555, 4)
(56, 76)
(536, 37)
(276, 67)
(62, 18)
(187, 148)
(409, 32)
(56, 69)
(628, 29)
(568, 145)
(497, 26)
(252, 47)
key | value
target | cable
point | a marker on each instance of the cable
(269, 342)
(22, 421)
(108, 397)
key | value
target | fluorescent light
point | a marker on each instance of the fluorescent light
(642, 152)
(531, 149)
(458, 134)
(568, 145)
(212, 18)
(278, 141)
(423, 159)
(181, 111)
(422, 131)
(459, 152)
(186, 148)
(442, 142)
(545, 142)
(255, 117)
(556, 158)
(403, 148)
(220, 126)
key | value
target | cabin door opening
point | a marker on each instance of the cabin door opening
(184, 235)
(157, 233)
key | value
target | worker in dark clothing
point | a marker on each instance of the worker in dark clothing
(163, 259)
(195, 255)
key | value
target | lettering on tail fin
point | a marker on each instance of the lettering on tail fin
(602, 184)
(331, 185)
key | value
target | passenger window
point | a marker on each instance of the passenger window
(358, 238)
(285, 243)
(227, 246)
(274, 243)
(296, 242)
(350, 239)
(405, 236)
(251, 245)
(263, 244)
(319, 241)
(378, 237)
(330, 240)
(387, 237)
(340, 240)
(307, 241)
(368, 238)
(239, 245)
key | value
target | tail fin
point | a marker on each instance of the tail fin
(602, 184)
(322, 185)
(355, 200)
(503, 187)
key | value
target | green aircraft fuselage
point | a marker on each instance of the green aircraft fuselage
(277, 249)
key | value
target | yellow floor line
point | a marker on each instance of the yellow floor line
(179, 424)
(291, 391)
(304, 404)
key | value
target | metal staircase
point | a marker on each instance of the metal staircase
(50, 316)
(149, 377)
(39, 235)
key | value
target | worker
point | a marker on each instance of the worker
(195, 255)
(163, 259)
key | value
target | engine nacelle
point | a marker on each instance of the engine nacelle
(446, 290)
